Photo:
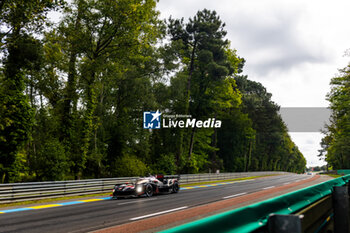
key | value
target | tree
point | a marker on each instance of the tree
(101, 41)
(17, 15)
(336, 142)
(22, 53)
(236, 139)
(273, 149)
(72, 96)
(203, 54)
(128, 166)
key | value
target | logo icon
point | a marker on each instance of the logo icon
(151, 120)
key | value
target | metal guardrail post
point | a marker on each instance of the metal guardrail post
(279, 223)
(341, 209)
(12, 193)
(317, 216)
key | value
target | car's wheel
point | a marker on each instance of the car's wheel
(149, 190)
(175, 187)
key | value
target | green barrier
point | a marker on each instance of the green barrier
(346, 178)
(346, 172)
(252, 217)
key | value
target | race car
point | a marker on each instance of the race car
(147, 186)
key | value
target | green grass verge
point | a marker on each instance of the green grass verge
(333, 175)
(108, 193)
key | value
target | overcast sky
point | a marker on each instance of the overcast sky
(292, 47)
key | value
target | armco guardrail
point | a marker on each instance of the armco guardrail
(283, 212)
(15, 192)
(194, 178)
(343, 172)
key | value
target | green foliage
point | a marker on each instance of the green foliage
(16, 114)
(335, 145)
(71, 103)
(272, 148)
(51, 162)
(208, 62)
(130, 165)
(165, 165)
(236, 138)
(15, 124)
(17, 15)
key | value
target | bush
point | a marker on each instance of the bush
(51, 162)
(165, 165)
(130, 165)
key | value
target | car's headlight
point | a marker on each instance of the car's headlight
(139, 188)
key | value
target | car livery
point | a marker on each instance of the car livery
(147, 186)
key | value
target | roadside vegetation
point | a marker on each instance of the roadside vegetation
(73, 93)
(335, 144)
(334, 175)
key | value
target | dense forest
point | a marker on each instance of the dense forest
(73, 93)
(335, 144)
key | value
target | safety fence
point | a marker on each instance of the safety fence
(343, 172)
(320, 208)
(337, 172)
(15, 192)
(197, 178)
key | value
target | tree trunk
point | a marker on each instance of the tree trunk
(191, 144)
(214, 144)
(70, 94)
(188, 93)
(250, 154)
(179, 151)
(187, 107)
(190, 75)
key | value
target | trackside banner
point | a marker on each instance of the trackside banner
(155, 120)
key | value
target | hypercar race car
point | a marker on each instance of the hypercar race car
(147, 186)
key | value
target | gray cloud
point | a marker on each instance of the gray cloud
(292, 47)
(265, 33)
(272, 46)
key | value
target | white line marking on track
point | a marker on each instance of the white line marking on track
(287, 183)
(236, 195)
(158, 213)
(139, 201)
(269, 187)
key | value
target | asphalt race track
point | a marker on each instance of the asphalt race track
(95, 215)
